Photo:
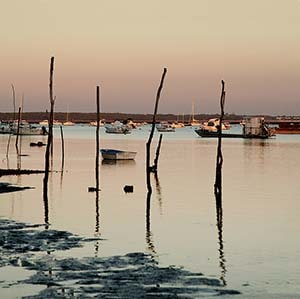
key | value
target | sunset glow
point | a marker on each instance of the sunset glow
(123, 46)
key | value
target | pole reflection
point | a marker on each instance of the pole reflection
(158, 192)
(222, 260)
(97, 225)
(149, 235)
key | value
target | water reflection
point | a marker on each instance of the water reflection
(158, 192)
(149, 235)
(118, 162)
(97, 225)
(222, 260)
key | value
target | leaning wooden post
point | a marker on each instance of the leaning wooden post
(18, 128)
(148, 144)
(97, 137)
(62, 148)
(219, 161)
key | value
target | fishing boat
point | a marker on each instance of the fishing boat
(113, 154)
(254, 127)
(117, 128)
(164, 126)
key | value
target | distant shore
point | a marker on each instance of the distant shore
(78, 117)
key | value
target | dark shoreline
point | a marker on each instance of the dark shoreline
(79, 117)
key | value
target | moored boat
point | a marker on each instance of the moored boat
(288, 127)
(117, 128)
(113, 154)
(254, 127)
(165, 127)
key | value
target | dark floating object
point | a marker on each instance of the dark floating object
(39, 143)
(7, 187)
(128, 188)
(93, 189)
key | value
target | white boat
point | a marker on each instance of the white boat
(177, 125)
(117, 128)
(194, 122)
(5, 128)
(164, 126)
(212, 125)
(45, 123)
(94, 123)
(68, 123)
(113, 154)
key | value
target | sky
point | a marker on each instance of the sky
(123, 46)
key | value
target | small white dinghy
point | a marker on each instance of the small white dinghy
(113, 154)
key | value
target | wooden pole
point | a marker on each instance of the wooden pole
(18, 128)
(148, 144)
(62, 148)
(97, 136)
(218, 189)
(49, 143)
(219, 160)
(14, 116)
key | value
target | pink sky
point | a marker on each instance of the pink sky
(123, 46)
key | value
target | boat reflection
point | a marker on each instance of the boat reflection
(118, 162)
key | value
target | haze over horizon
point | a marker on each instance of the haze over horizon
(123, 46)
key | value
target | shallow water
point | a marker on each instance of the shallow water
(258, 248)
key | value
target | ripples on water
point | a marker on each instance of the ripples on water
(251, 243)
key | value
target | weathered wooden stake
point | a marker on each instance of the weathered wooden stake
(97, 137)
(49, 143)
(62, 148)
(219, 160)
(18, 129)
(218, 189)
(148, 144)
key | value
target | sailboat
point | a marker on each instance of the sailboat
(68, 122)
(194, 122)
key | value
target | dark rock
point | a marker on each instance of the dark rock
(128, 188)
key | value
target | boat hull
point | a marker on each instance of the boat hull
(210, 134)
(112, 154)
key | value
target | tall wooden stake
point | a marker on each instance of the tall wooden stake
(49, 142)
(219, 160)
(148, 144)
(97, 137)
(18, 129)
(62, 148)
(218, 189)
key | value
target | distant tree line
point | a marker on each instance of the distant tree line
(79, 117)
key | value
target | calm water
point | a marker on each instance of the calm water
(258, 250)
